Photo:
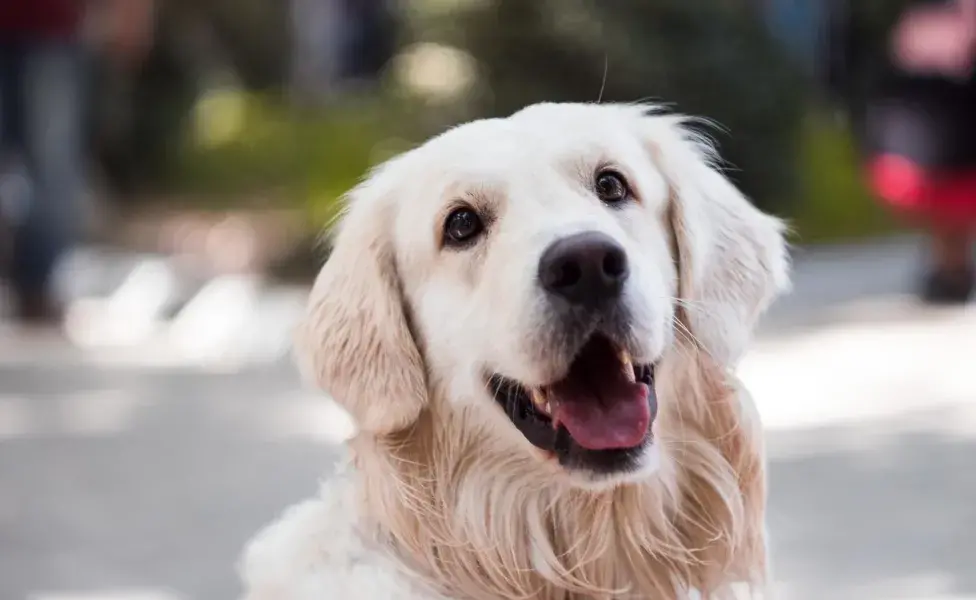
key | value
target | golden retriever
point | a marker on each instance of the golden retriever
(533, 321)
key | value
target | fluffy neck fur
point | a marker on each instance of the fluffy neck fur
(467, 513)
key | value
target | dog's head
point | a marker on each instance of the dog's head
(531, 273)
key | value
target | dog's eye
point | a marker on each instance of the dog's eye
(462, 226)
(611, 187)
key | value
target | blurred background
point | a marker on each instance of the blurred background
(167, 168)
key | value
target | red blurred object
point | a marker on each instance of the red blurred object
(44, 18)
(945, 197)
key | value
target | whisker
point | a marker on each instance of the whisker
(603, 86)
(686, 302)
(683, 328)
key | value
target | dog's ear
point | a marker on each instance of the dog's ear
(732, 258)
(356, 342)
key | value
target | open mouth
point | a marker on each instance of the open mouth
(604, 404)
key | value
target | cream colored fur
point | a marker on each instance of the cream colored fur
(443, 498)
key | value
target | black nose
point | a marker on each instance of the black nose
(586, 269)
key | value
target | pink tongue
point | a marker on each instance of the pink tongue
(600, 407)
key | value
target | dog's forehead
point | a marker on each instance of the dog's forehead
(532, 158)
(541, 137)
(585, 119)
(480, 149)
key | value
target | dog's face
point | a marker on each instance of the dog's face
(529, 273)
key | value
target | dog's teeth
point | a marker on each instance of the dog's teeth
(551, 407)
(628, 366)
(539, 400)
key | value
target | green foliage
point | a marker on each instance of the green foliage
(835, 204)
(305, 159)
(308, 161)
(717, 62)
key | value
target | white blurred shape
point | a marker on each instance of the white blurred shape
(270, 331)
(211, 326)
(131, 314)
(850, 372)
(314, 417)
(435, 71)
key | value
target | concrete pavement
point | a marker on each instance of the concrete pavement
(126, 477)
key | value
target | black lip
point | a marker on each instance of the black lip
(537, 427)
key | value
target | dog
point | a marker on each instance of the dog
(534, 322)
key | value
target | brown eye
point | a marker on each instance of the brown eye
(611, 187)
(462, 226)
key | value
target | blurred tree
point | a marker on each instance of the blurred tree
(714, 59)
(254, 46)
(140, 115)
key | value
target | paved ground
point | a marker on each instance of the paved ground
(125, 477)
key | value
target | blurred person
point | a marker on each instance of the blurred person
(341, 43)
(916, 121)
(369, 38)
(43, 76)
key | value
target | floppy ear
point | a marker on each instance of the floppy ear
(355, 341)
(732, 258)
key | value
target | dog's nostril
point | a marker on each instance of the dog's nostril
(615, 264)
(566, 274)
